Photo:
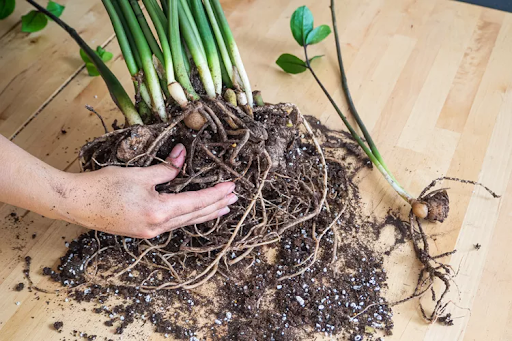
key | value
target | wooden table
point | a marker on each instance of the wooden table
(432, 79)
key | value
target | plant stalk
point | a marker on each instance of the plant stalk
(150, 74)
(179, 55)
(221, 45)
(190, 17)
(348, 96)
(208, 42)
(195, 49)
(130, 55)
(232, 48)
(165, 6)
(146, 30)
(162, 36)
(396, 186)
(159, 12)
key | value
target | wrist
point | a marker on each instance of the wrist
(63, 195)
(75, 197)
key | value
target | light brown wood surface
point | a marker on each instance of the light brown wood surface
(432, 79)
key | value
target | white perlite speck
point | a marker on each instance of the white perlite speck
(300, 300)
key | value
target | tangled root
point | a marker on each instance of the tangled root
(272, 156)
(437, 202)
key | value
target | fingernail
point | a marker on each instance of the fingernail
(177, 150)
(232, 200)
(224, 211)
(231, 188)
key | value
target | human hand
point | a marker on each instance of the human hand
(124, 201)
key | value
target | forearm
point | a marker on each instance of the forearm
(29, 183)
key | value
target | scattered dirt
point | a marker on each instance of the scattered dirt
(19, 287)
(58, 325)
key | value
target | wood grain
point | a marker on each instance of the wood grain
(432, 79)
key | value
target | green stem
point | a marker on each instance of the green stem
(208, 42)
(348, 96)
(159, 12)
(150, 74)
(162, 36)
(123, 37)
(117, 92)
(232, 48)
(176, 49)
(131, 41)
(228, 82)
(396, 186)
(226, 59)
(186, 56)
(173, 88)
(165, 6)
(190, 17)
(197, 55)
(146, 30)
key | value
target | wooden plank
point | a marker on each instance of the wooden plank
(36, 65)
(416, 78)
(492, 113)
(469, 75)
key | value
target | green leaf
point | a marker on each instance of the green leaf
(85, 57)
(301, 24)
(291, 64)
(100, 51)
(91, 68)
(318, 34)
(315, 57)
(6, 8)
(33, 21)
(55, 9)
(107, 56)
(103, 54)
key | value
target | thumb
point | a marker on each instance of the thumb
(165, 172)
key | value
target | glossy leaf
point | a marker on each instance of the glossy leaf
(6, 8)
(301, 24)
(318, 34)
(291, 64)
(92, 70)
(84, 57)
(89, 65)
(107, 56)
(315, 57)
(33, 21)
(55, 8)
(104, 55)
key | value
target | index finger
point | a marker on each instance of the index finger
(188, 202)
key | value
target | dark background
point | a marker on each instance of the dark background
(504, 5)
